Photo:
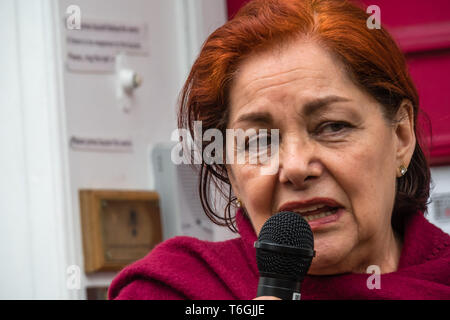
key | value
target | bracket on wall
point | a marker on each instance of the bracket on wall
(127, 81)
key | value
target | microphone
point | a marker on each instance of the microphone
(284, 251)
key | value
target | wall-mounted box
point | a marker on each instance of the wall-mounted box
(441, 207)
(119, 227)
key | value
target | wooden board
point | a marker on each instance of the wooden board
(119, 227)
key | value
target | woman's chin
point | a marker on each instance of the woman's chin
(327, 263)
(321, 270)
(325, 270)
(333, 252)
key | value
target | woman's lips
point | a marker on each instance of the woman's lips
(301, 205)
(310, 207)
(325, 221)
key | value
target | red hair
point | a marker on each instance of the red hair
(371, 58)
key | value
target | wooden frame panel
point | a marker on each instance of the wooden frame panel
(119, 227)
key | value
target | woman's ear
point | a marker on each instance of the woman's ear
(404, 133)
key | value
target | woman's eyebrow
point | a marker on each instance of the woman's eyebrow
(264, 118)
(312, 107)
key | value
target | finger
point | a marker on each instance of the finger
(267, 298)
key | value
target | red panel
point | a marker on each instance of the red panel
(398, 13)
(233, 6)
(430, 72)
(422, 29)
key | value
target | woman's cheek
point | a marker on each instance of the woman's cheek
(363, 183)
(256, 193)
(252, 184)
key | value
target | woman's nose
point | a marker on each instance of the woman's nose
(299, 163)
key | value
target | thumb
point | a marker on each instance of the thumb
(267, 298)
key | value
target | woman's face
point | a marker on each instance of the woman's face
(333, 144)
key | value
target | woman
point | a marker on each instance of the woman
(349, 160)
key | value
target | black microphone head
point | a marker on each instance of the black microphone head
(285, 246)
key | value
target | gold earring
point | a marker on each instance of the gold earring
(238, 203)
(402, 170)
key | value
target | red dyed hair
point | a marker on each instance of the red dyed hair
(371, 58)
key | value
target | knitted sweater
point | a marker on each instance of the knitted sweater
(188, 268)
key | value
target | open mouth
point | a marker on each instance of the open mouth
(318, 212)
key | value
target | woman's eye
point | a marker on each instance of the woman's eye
(258, 141)
(333, 127)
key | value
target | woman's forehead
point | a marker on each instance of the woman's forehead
(302, 67)
(299, 58)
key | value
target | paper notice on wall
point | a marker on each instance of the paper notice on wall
(78, 143)
(94, 47)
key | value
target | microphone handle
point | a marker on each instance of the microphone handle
(280, 288)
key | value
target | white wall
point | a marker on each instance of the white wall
(43, 105)
(176, 30)
(33, 202)
(92, 109)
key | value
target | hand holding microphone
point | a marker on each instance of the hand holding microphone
(284, 251)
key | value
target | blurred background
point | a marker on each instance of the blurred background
(88, 93)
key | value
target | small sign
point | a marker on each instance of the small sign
(441, 207)
(94, 47)
(101, 144)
